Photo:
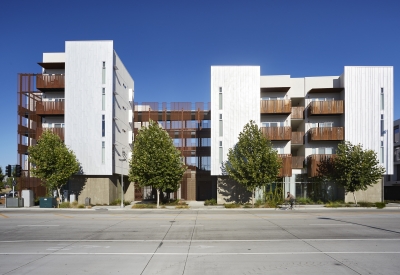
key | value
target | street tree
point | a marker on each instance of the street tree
(155, 161)
(2, 176)
(52, 161)
(252, 162)
(353, 167)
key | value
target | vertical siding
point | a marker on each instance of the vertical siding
(83, 105)
(362, 109)
(241, 103)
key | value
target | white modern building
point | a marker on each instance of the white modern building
(305, 118)
(85, 95)
(392, 182)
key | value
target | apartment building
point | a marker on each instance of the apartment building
(392, 182)
(305, 118)
(188, 125)
(84, 95)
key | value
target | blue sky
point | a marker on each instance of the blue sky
(169, 46)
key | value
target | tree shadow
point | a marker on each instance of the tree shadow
(231, 191)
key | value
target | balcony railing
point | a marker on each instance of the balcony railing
(277, 133)
(297, 162)
(326, 133)
(313, 162)
(297, 138)
(298, 112)
(50, 107)
(51, 82)
(286, 169)
(331, 107)
(283, 106)
(58, 131)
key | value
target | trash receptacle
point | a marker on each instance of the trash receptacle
(47, 202)
(72, 198)
(87, 201)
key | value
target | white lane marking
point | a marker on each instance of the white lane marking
(205, 241)
(331, 224)
(37, 225)
(181, 225)
(205, 254)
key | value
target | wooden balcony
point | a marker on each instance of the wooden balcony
(50, 107)
(286, 169)
(313, 162)
(297, 162)
(283, 106)
(332, 107)
(58, 131)
(298, 112)
(297, 138)
(50, 82)
(195, 151)
(277, 133)
(326, 133)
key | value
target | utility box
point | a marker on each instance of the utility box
(87, 201)
(48, 202)
(14, 202)
(72, 198)
(27, 195)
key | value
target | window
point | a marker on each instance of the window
(58, 125)
(382, 155)
(272, 124)
(323, 151)
(326, 124)
(220, 143)
(104, 73)
(103, 99)
(103, 151)
(220, 116)
(396, 134)
(220, 98)
(382, 100)
(221, 129)
(279, 150)
(221, 154)
(103, 126)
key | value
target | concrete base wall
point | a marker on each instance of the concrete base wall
(372, 194)
(100, 190)
(229, 191)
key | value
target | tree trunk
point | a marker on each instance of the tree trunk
(355, 200)
(252, 197)
(158, 198)
(59, 197)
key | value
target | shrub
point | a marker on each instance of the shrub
(248, 205)
(334, 204)
(118, 202)
(380, 205)
(182, 206)
(304, 201)
(74, 204)
(65, 205)
(210, 202)
(81, 206)
(232, 205)
(144, 205)
(365, 204)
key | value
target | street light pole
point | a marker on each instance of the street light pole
(122, 177)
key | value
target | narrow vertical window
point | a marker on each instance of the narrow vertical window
(382, 100)
(103, 99)
(103, 126)
(104, 73)
(382, 155)
(221, 154)
(221, 129)
(103, 151)
(382, 125)
(220, 98)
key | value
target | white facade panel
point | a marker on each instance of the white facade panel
(274, 81)
(363, 111)
(123, 95)
(240, 87)
(83, 104)
(321, 82)
(296, 88)
(53, 57)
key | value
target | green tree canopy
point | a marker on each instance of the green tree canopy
(252, 162)
(52, 161)
(155, 160)
(353, 167)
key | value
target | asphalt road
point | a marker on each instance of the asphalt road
(226, 241)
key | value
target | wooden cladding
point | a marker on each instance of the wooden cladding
(286, 169)
(52, 82)
(58, 131)
(50, 107)
(277, 133)
(297, 138)
(330, 107)
(283, 106)
(313, 162)
(297, 162)
(298, 112)
(326, 133)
